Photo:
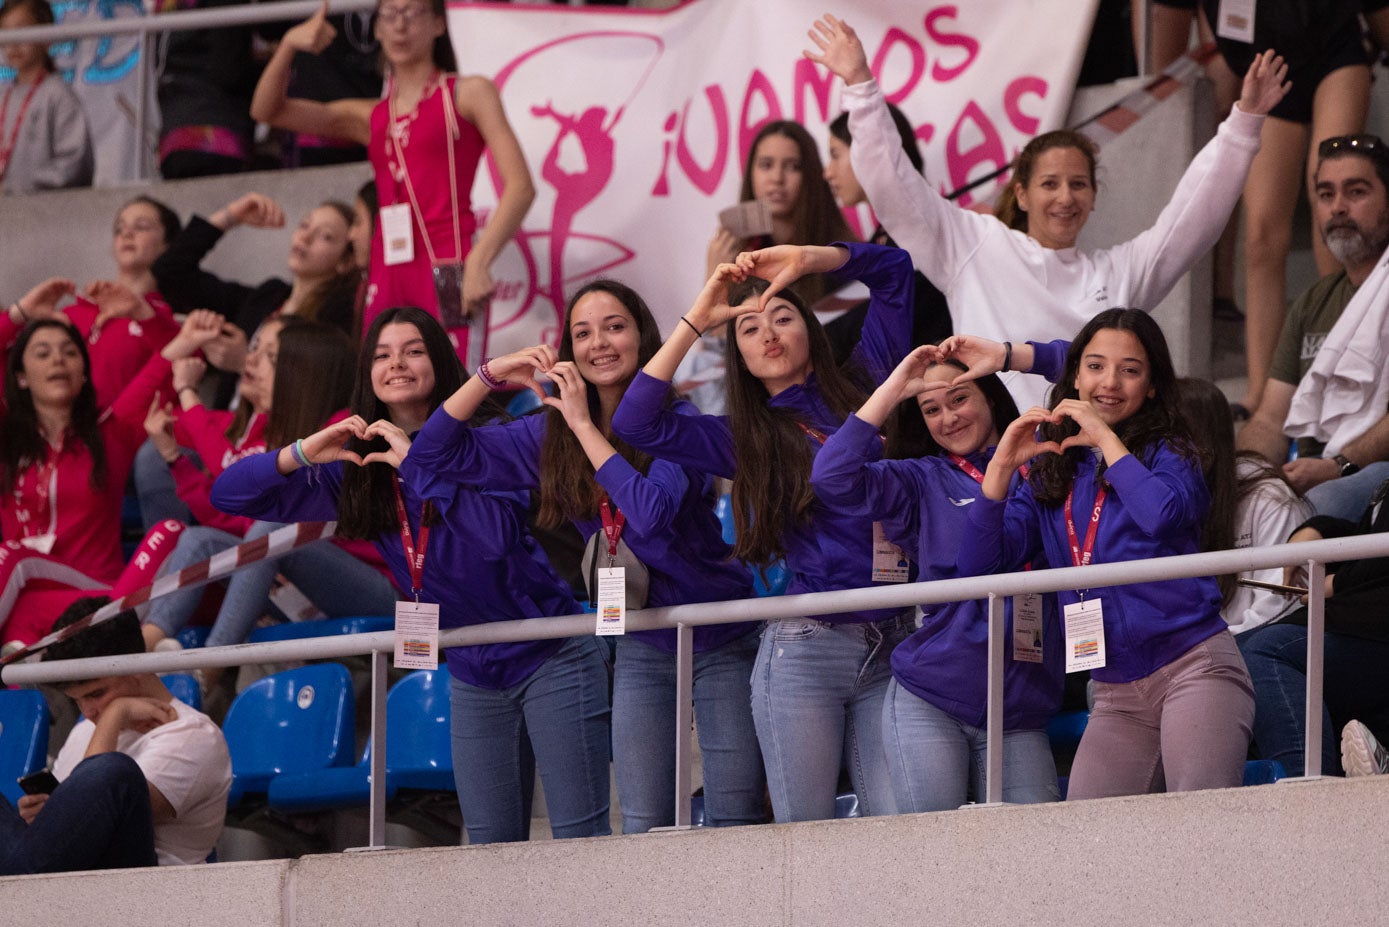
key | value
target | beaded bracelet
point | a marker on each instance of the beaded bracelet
(296, 450)
(485, 375)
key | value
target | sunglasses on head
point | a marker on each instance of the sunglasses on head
(1341, 144)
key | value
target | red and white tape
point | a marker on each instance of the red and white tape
(219, 566)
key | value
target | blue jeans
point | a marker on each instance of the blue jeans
(156, 489)
(817, 701)
(98, 818)
(938, 762)
(1347, 497)
(563, 709)
(1276, 655)
(644, 734)
(334, 580)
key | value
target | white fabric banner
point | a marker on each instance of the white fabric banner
(636, 123)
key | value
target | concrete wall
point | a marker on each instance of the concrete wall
(1295, 853)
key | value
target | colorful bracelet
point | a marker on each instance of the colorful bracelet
(485, 375)
(692, 326)
(296, 450)
(1007, 356)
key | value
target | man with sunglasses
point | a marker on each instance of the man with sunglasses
(1351, 206)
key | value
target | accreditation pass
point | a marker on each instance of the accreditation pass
(417, 635)
(1084, 635)
(612, 601)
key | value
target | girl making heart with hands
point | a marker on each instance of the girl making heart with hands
(1115, 476)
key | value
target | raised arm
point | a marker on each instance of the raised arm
(479, 102)
(272, 103)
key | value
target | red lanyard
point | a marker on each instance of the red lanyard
(415, 559)
(814, 434)
(613, 523)
(8, 150)
(973, 472)
(1081, 556)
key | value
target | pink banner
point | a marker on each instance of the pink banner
(636, 123)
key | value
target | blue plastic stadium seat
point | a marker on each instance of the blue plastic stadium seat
(185, 688)
(194, 636)
(1065, 729)
(290, 722)
(23, 738)
(523, 402)
(768, 582)
(321, 627)
(419, 753)
(1263, 772)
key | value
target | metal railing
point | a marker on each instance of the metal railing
(684, 618)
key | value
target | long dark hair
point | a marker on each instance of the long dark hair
(313, 379)
(1006, 209)
(815, 218)
(771, 491)
(1158, 420)
(1213, 432)
(24, 445)
(366, 504)
(839, 128)
(568, 489)
(907, 433)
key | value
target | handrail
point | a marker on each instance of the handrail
(245, 15)
(684, 617)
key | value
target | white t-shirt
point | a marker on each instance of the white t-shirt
(188, 762)
(1265, 517)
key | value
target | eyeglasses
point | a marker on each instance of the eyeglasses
(407, 16)
(1342, 144)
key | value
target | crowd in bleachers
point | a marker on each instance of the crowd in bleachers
(1050, 431)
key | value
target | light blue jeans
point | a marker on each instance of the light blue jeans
(563, 708)
(334, 580)
(644, 734)
(156, 488)
(817, 701)
(938, 763)
(1347, 497)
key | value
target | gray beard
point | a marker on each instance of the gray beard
(1354, 247)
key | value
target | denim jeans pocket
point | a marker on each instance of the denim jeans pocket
(796, 629)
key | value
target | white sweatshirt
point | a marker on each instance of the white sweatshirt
(1003, 285)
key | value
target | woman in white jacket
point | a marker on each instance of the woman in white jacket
(1033, 283)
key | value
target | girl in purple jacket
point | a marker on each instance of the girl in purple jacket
(1118, 478)
(934, 711)
(818, 684)
(617, 495)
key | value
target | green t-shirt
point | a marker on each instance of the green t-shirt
(1310, 319)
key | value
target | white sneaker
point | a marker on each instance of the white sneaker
(1361, 753)
(167, 644)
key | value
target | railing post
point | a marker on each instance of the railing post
(376, 828)
(1316, 628)
(993, 774)
(1145, 39)
(684, 699)
(142, 90)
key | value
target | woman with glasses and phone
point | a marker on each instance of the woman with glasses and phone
(425, 141)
